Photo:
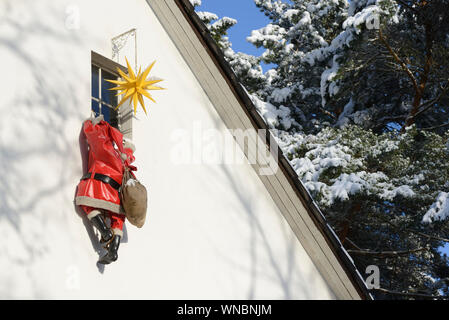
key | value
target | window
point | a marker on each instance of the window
(103, 100)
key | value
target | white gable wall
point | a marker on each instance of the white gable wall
(213, 230)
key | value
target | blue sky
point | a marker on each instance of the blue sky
(248, 18)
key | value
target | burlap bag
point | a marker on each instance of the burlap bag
(134, 199)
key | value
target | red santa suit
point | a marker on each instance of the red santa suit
(98, 190)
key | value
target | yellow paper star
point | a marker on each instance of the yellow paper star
(135, 87)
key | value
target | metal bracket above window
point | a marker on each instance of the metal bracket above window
(119, 42)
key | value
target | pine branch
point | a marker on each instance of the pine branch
(426, 235)
(405, 4)
(367, 62)
(384, 253)
(424, 77)
(353, 244)
(436, 127)
(427, 105)
(398, 60)
(412, 295)
(327, 113)
(411, 230)
(391, 118)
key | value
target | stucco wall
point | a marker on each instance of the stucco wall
(212, 230)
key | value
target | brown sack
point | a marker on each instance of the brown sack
(134, 199)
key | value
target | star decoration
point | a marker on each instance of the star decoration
(134, 87)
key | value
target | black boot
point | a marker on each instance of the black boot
(106, 233)
(112, 255)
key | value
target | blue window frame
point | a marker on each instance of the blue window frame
(104, 101)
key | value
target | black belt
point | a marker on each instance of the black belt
(102, 178)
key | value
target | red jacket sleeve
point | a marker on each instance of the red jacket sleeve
(117, 137)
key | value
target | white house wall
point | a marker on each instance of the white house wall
(212, 231)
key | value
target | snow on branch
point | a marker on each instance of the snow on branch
(439, 209)
(195, 3)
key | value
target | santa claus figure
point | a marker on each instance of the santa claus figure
(98, 190)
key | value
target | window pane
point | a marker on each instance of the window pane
(95, 83)
(107, 95)
(110, 115)
(95, 108)
(113, 116)
(106, 113)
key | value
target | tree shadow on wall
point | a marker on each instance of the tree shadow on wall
(44, 104)
(283, 274)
